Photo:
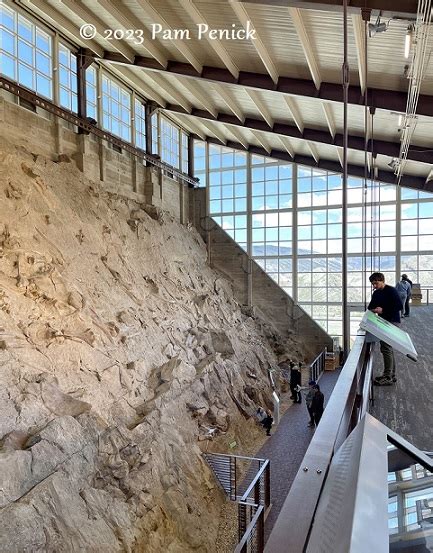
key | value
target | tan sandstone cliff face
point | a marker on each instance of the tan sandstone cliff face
(118, 347)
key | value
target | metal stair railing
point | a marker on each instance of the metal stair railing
(252, 494)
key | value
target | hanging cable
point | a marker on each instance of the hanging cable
(365, 12)
(373, 196)
(419, 37)
(346, 77)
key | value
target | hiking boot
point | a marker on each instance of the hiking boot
(384, 382)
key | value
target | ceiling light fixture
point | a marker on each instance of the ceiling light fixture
(378, 27)
(408, 41)
(394, 163)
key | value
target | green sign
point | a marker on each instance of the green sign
(389, 333)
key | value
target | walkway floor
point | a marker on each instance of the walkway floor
(287, 446)
(407, 407)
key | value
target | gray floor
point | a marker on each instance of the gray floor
(287, 446)
(407, 407)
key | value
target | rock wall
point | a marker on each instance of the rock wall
(121, 352)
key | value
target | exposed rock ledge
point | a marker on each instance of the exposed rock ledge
(119, 349)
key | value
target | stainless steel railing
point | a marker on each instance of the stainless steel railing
(247, 481)
(349, 401)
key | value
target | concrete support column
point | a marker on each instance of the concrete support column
(398, 268)
(181, 203)
(249, 233)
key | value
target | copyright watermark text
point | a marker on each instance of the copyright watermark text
(203, 31)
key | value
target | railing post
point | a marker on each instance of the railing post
(268, 486)
(260, 539)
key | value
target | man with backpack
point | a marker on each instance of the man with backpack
(409, 295)
(403, 290)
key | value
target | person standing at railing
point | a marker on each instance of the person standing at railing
(409, 295)
(386, 302)
(295, 381)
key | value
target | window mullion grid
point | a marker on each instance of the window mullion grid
(56, 62)
(132, 118)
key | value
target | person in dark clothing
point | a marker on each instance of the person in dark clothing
(267, 423)
(409, 295)
(386, 302)
(295, 381)
(309, 401)
(317, 404)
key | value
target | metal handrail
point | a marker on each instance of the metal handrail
(257, 522)
(226, 470)
(258, 491)
(257, 495)
(428, 290)
(318, 366)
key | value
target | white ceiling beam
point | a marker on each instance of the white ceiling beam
(229, 101)
(261, 140)
(294, 112)
(327, 110)
(236, 132)
(313, 151)
(188, 124)
(358, 30)
(87, 16)
(128, 20)
(216, 44)
(169, 89)
(301, 31)
(261, 106)
(137, 83)
(287, 145)
(57, 19)
(181, 45)
(340, 154)
(213, 129)
(246, 22)
(200, 97)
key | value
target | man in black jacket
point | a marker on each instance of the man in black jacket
(295, 381)
(386, 302)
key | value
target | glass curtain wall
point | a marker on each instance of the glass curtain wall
(296, 228)
(26, 52)
(272, 220)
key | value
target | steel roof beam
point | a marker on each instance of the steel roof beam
(389, 8)
(380, 147)
(390, 100)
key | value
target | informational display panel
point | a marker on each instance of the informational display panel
(389, 333)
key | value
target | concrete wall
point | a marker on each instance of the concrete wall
(252, 285)
(122, 173)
